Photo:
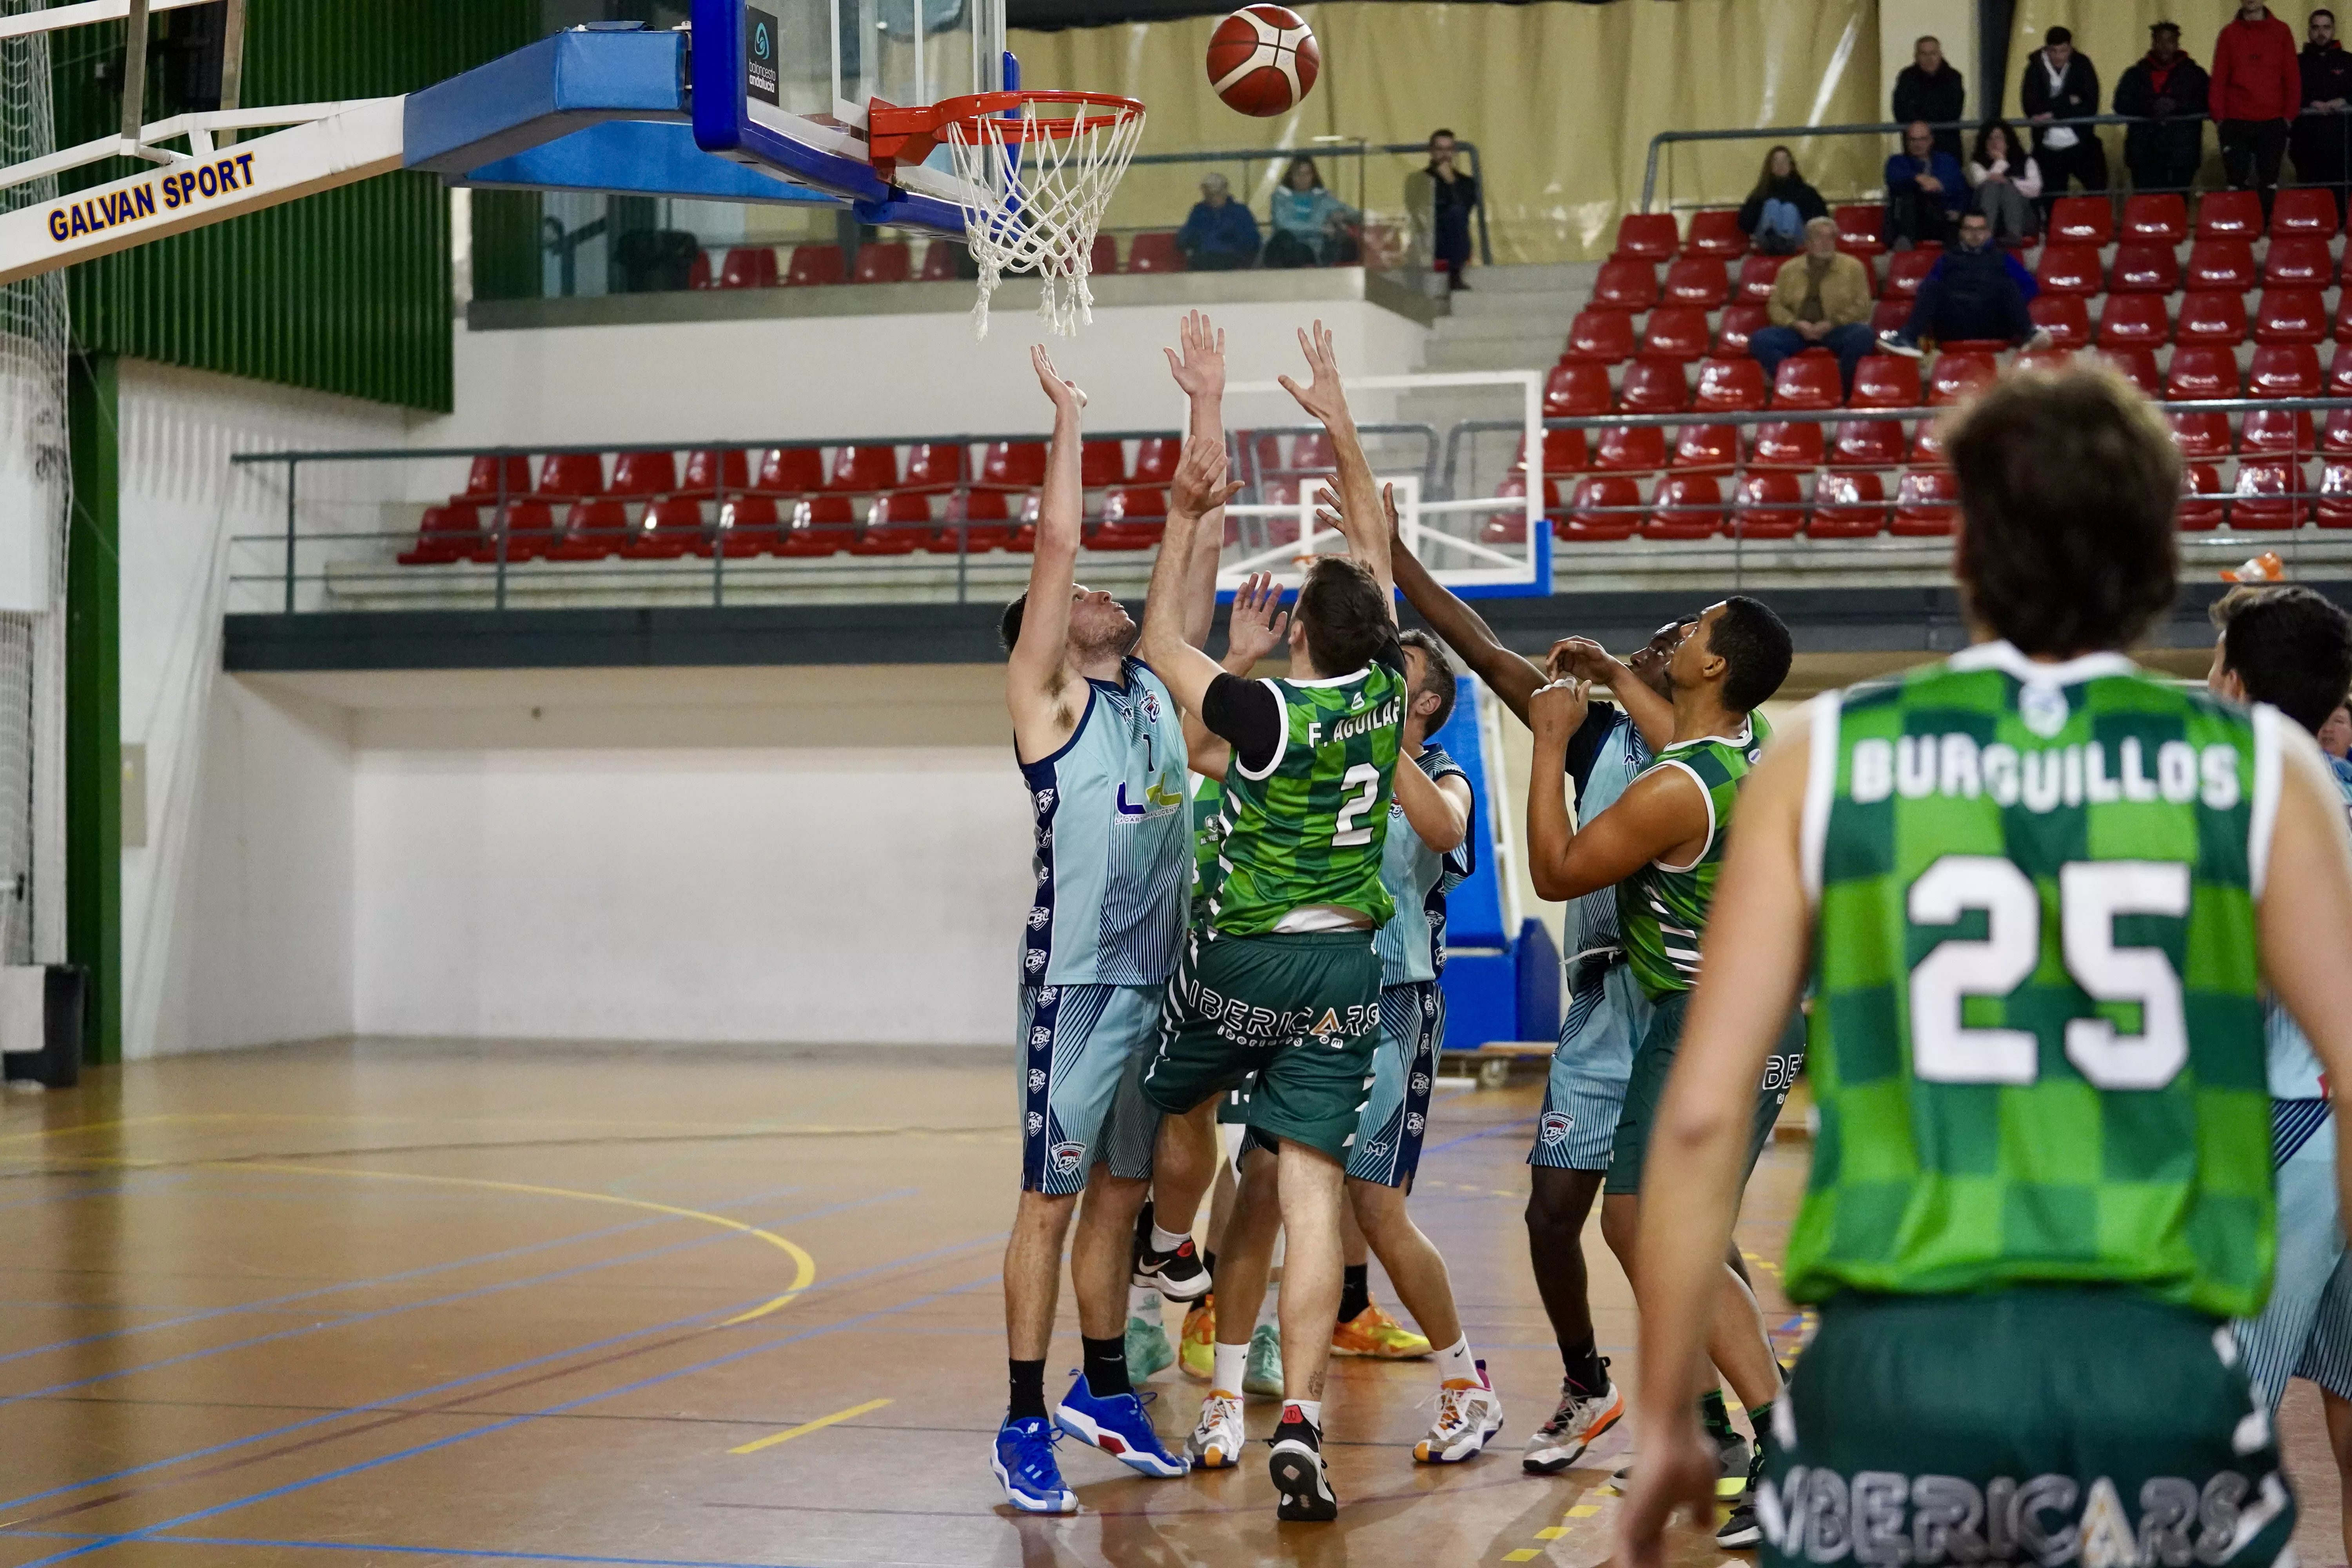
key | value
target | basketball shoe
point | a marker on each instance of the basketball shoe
(1562, 1440)
(1372, 1333)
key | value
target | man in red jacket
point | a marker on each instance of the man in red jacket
(2257, 91)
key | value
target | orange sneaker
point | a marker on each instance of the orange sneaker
(1197, 1354)
(1372, 1333)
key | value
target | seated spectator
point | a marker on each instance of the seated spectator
(1925, 192)
(1978, 290)
(1310, 223)
(1220, 235)
(2006, 181)
(1821, 299)
(1774, 214)
(2336, 737)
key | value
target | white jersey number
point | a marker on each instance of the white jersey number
(1349, 834)
(2091, 894)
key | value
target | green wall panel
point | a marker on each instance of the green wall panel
(347, 292)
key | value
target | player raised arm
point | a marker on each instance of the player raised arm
(1036, 676)
(1200, 370)
(1663, 816)
(1581, 658)
(1200, 487)
(1509, 676)
(2307, 918)
(1255, 628)
(1361, 517)
(1437, 809)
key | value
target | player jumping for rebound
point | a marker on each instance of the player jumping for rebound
(1283, 989)
(1101, 748)
(2038, 894)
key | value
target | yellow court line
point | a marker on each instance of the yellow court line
(1524, 1554)
(1584, 1511)
(806, 1427)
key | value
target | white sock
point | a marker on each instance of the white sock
(1143, 1302)
(1167, 1240)
(1232, 1366)
(1311, 1409)
(1455, 1363)
(1269, 1310)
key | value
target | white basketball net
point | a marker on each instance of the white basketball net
(1032, 199)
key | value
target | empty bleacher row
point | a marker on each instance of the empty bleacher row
(2183, 328)
(893, 261)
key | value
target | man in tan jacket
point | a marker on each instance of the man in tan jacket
(1820, 298)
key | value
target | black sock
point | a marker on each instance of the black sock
(1582, 1363)
(1355, 1291)
(1106, 1367)
(1028, 1390)
(1715, 1414)
(1760, 1418)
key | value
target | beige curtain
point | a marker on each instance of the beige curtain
(1561, 99)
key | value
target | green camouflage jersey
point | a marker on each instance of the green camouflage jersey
(1310, 827)
(1208, 838)
(2037, 1039)
(1662, 909)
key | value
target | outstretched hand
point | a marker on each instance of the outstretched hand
(1200, 486)
(1323, 397)
(1581, 658)
(1256, 626)
(1201, 369)
(1678, 1468)
(1065, 395)
(1556, 711)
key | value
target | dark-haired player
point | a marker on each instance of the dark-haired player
(1101, 748)
(1660, 844)
(2038, 894)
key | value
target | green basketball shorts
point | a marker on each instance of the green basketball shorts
(1653, 1062)
(2040, 1425)
(1297, 1018)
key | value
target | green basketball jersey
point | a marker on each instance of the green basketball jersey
(1662, 909)
(2037, 1033)
(1208, 840)
(1310, 828)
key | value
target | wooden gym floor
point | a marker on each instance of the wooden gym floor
(407, 1305)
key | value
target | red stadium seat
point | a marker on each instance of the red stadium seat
(2051, 360)
(1102, 463)
(593, 530)
(1654, 386)
(934, 466)
(1808, 382)
(814, 265)
(2289, 316)
(2343, 333)
(2285, 370)
(883, 261)
(2268, 492)
(1867, 444)
(641, 475)
(1601, 509)
(1697, 281)
(1510, 526)
(1626, 286)
(1564, 452)
(1888, 315)
(673, 527)
(528, 532)
(2134, 321)
(1959, 377)
(1768, 504)
(2065, 317)
(2298, 261)
(1787, 444)
(2161, 219)
(1156, 458)
(749, 267)
(975, 522)
(1102, 257)
(2339, 374)
(1862, 230)
(1906, 269)
(2278, 432)
(939, 261)
(1646, 237)
(1676, 332)
(1605, 337)
(1631, 449)
(792, 470)
(1757, 276)
(1927, 502)
(2305, 210)
(570, 476)
(2334, 508)
(2336, 435)
(2136, 366)
(2230, 214)
(2144, 268)
(2201, 506)
(1886, 381)
(1707, 448)
(1154, 252)
(1312, 454)
(1134, 518)
(1927, 445)
(2069, 270)
(1739, 322)
(706, 472)
(746, 527)
(483, 481)
(447, 534)
(1732, 386)
(2200, 435)
(820, 526)
(1577, 389)
(1715, 231)
(2222, 263)
(865, 469)
(2201, 372)
(1013, 465)
(1687, 506)
(1847, 506)
(2082, 220)
(697, 271)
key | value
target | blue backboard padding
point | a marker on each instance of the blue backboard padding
(1535, 962)
(638, 157)
(543, 92)
(1481, 999)
(1473, 910)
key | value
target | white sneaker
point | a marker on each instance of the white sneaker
(1468, 1414)
(2040, 340)
(1217, 1441)
(1561, 1441)
(1889, 343)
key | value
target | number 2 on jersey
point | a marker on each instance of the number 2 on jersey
(2091, 895)
(1348, 833)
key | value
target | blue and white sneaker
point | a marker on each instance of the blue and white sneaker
(1023, 1461)
(1119, 1426)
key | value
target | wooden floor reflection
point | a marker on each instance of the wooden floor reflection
(408, 1305)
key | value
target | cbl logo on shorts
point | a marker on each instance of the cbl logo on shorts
(1554, 1126)
(1065, 1157)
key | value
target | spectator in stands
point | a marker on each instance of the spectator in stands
(2323, 134)
(2006, 181)
(1978, 291)
(1819, 299)
(1776, 212)
(2060, 85)
(1929, 88)
(1220, 234)
(1925, 190)
(2257, 90)
(1309, 222)
(1441, 199)
(2164, 85)
(2336, 736)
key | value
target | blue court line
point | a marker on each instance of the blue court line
(150, 1532)
(405, 1551)
(1430, 1149)
(498, 1287)
(396, 1401)
(316, 1292)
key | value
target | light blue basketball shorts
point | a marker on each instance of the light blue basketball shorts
(1396, 1113)
(1082, 1060)
(2305, 1331)
(1585, 1096)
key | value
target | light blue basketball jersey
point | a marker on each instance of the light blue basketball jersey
(2295, 1071)
(1114, 853)
(1413, 944)
(1590, 924)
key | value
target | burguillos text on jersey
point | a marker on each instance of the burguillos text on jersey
(2042, 778)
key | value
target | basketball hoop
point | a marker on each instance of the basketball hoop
(1037, 213)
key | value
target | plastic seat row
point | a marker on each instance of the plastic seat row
(1764, 504)
(1806, 382)
(2293, 261)
(893, 261)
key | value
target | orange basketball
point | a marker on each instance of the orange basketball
(1262, 60)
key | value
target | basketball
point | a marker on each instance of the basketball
(1262, 60)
